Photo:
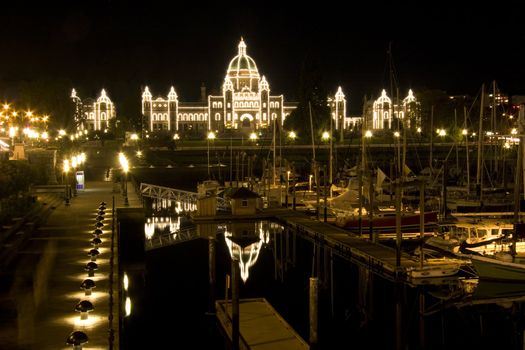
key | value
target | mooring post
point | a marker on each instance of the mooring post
(235, 304)
(211, 268)
(314, 298)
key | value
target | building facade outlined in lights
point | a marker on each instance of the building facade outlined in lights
(246, 104)
(383, 114)
(91, 114)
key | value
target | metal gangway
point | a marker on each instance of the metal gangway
(159, 241)
(186, 201)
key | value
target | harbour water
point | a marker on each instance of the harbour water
(169, 292)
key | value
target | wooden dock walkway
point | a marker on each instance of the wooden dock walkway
(377, 257)
(260, 326)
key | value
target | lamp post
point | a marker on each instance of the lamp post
(327, 136)
(66, 170)
(211, 136)
(74, 163)
(287, 187)
(125, 167)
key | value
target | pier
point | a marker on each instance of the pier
(377, 257)
(260, 326)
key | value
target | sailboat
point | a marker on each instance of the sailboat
(460, 199)
(504, 266)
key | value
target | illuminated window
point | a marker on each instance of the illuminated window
(219, 104)
(229, 105)
(276, 104)
(229, 116)
(264, 116)
(214, 104)
(217, 116)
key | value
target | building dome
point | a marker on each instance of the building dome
(242, 69)
(103, 98)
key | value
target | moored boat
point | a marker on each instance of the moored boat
(436, 267)
(385, 222)
(499, 270)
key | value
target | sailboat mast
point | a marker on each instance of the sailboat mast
(273, 149)
(431, 138)
(312, 130)
(466, 147)
(480, 143)
(518, 180)
(494, 162)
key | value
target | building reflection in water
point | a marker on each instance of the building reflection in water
(161, 225)
(245, 241)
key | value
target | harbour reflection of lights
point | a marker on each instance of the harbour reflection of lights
(161, 224)
(127, 306)
(248, 255)
(125, 281)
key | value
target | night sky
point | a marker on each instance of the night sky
(442, 46)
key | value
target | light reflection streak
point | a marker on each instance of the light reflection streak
(127, 306)
(161, 224)
(248, 255)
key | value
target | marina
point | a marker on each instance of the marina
(264, 180)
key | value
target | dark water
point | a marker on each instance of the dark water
(170, 296)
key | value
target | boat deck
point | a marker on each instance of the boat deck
(260, 326)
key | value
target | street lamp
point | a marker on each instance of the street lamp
(287, 187)
(74, 163)
(125, 167)
(66, 170)
(328, 137)
(211, 136)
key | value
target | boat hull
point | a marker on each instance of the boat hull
(409, 223)
(493, 269)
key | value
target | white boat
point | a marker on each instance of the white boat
(499, 270)
(435, 267)
(483, 236)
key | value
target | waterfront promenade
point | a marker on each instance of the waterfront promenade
(39, 295)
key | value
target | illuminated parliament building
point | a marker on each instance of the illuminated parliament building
(245, 104)
(91, 114)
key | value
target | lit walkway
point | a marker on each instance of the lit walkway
(46, 285)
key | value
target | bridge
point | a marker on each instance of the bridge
(185, 201)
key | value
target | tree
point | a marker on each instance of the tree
(312, 98)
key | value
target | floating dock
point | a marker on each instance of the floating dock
(260, 326)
